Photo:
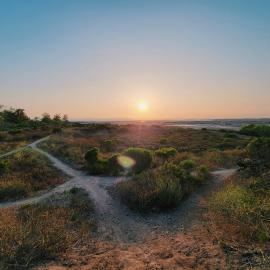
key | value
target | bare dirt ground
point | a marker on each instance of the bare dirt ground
(177, 239)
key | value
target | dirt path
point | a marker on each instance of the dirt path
(131, 241)
(116, 222)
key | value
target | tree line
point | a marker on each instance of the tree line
(11, 118)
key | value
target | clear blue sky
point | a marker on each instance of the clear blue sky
(97, 59)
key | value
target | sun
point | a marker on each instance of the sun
(142, 105)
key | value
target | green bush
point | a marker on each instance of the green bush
(202, 173)
(142, 158)
(166, 152)
(92, 155)
(100, 166)
(188, 165)
(162, 187)
(151, 191)
(108, 145)
(259, 149)
(4, 167)
(113, 166)
(170, 192)
(256, 130)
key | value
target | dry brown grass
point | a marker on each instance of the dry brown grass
(41, 232)
(27, 172)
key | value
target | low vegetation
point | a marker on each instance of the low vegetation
(256, 130)
(142, 158)
(163, 187)
(218, 148)
(242, 206)
(35, 233)
(166, 152)
(26, 172)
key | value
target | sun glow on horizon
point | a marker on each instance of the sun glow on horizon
(142, 105)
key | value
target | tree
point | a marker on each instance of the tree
(57, 119)
(46, 118)
(15, 116)
(65, 118)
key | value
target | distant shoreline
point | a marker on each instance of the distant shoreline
(228, 124)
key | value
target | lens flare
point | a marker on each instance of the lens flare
(126, 162)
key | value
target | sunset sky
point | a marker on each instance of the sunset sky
(124, 59)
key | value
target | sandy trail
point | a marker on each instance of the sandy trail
(116, 221)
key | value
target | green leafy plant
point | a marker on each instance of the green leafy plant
(166, 152)
(141, 156)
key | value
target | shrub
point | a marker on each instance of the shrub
(163, 141)
(162, 187)
(4, 167)
(188, 165)
(170, 192)
(13, 190)
(256, 130)
(57, 130)
(92, 155)
(113, 166)
(150, 191)
(142, 158)
(202, 173)
(259, 149)
(98, 167)
(166, 152)
(108, 145)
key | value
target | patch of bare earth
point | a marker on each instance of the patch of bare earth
(194, 249)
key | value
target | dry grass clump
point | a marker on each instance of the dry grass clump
(215, 159)
(43, 231)
(243, 210)
(25, 173)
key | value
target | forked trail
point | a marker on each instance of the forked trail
(115, 221)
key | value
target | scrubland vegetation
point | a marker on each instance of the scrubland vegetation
(17, 129)
(163, 187)
(26, 172)
(217, 148)
(35, 233)
(162, 165)
(256, 130)
(241, 209)
(165, 163)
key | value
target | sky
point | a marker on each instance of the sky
(97, 59)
